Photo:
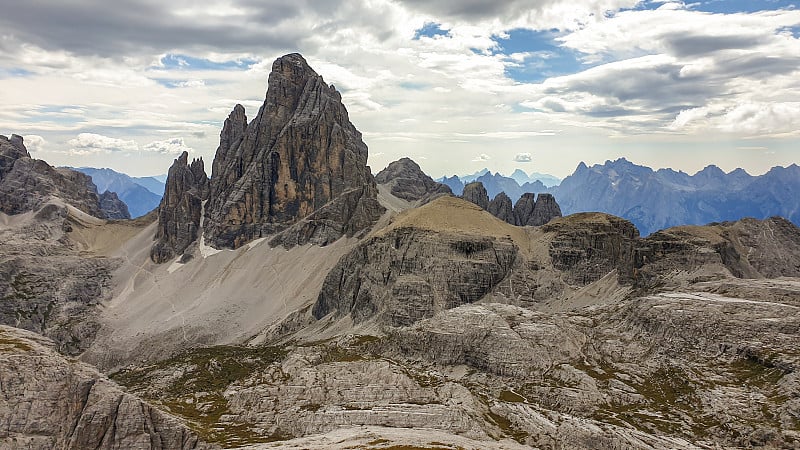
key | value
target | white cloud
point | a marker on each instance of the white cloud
(523, 157)
(687, 116)
(168, 146)
(482, 157)
(89, 143)
(34, 143)
(762, 118)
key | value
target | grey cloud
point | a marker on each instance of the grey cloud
(109, 29)
(467, 9)
(638, 89)
(684, 45)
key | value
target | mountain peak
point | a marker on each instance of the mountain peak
(300, 153)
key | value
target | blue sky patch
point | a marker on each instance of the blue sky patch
(546, 58)
(14, 72)
(738, 6)
(184, 62)
(410, 85)
(430, 29)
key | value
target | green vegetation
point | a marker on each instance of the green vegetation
(197, 379)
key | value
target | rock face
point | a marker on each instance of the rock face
(46, 284)
(407, 181)
(300, 153)
(528, 212)
(50, 402)
(26, 184)
(405, 275)
(501, 207)
(475, 193)
(181, 208)
(545, 210)
(113, 207)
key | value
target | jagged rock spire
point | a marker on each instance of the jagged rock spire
(298, 154)
(181, 207)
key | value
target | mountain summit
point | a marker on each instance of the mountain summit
(299, 153)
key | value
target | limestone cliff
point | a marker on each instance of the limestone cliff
(300, 153)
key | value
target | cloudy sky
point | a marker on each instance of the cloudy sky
(457, 85)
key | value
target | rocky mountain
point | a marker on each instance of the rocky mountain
(52, 402)
(576, 334)
(136, 193)
(154, 184)
(26, 184)
(529, 210)
(181, 208)
(454, 183)
(475, 192)
(655, 200)
(547, 180)
(502, 208)
(407, 181)
(299, 154)
(438, 325)
(494, 183)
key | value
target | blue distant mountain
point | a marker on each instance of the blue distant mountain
(514, 186)
(152, 184)
(654, 200)
(142, 195)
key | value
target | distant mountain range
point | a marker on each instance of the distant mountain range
(654, 200)
(141, 194)
(496, 180)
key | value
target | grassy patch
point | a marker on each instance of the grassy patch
(752, 372)
(195, 391)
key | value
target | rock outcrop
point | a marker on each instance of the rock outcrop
(181, 208)
(407, 181)
(530, 212)
(50, 402)
(26, 184)
(113, 208)
(475, 193)
(300, 153)
(501, 207)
